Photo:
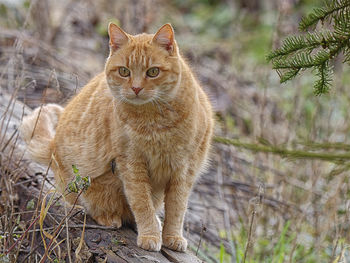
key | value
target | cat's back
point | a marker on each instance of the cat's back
(81, 104)
(84, 128)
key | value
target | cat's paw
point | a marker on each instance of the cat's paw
(109, 220)
(151, 243)
(177, 243)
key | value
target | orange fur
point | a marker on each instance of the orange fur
(159, 137)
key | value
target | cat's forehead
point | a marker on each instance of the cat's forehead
(141, 52)
(141, 38)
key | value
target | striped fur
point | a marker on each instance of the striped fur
(159, 138)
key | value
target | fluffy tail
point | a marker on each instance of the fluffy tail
(38, 130)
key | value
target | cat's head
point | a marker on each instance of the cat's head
(143, 68)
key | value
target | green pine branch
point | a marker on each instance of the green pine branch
(335, 157)
(323, 13)
(316, 50)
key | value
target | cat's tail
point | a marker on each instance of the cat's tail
(38, 130)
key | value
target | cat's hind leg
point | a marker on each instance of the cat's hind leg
(105, 201)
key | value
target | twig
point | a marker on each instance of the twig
(25, 232)
(77, 251)
(200, 238)
(37, 205)
(59, 227)
(67, 236)
(257, 203)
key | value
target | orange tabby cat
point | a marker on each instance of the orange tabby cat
(147, 112)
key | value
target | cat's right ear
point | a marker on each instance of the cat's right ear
(117, 37)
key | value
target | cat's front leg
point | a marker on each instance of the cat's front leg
(137, 189)
(176, 198)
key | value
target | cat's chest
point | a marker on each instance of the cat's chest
(165, 154)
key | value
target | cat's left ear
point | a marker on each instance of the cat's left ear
(117, 37)
(165, 38)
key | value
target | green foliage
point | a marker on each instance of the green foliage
(80, 183)
(323, 13)
(316, 50)
(279, 251)
(30, 204)
(223, 255)
(264, 249)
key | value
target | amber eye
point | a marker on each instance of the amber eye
(152, 72)
(124, 72)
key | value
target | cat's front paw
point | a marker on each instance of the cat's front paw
(109, 220)
(148, 242)
(177, 243)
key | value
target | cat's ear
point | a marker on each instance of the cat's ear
(165, 38)
(117, 37)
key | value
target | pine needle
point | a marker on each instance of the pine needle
(316, 50)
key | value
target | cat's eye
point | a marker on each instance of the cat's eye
(152, 72)
(124, 72)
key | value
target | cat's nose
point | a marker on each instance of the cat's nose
(136, 89)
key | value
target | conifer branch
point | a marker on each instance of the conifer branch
(321, 14)
(316, 50)
(335, 157)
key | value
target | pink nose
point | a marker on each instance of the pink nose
(136, 90)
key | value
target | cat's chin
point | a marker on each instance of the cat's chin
(137, 101)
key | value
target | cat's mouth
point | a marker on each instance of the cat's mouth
(137, 100)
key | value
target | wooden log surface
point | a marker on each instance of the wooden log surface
(114, 245)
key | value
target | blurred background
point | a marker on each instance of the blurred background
(249, 206)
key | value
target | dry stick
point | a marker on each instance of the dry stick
(20, 159)
(8, 183)
(47, 171)
(57, 245)
(258, 202)
(336, 243)
(43, 97)
(37, 204)
(34, 221)
(8, 141)
(3, 117)
(36, 122)
(27, 230)
(59, 227)
(67, 233)
(249, 235)
(17, 45)
(8, 121)
(200, 237)
(9, 221)
(13, 149)
(15, 180)
(77, 251)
